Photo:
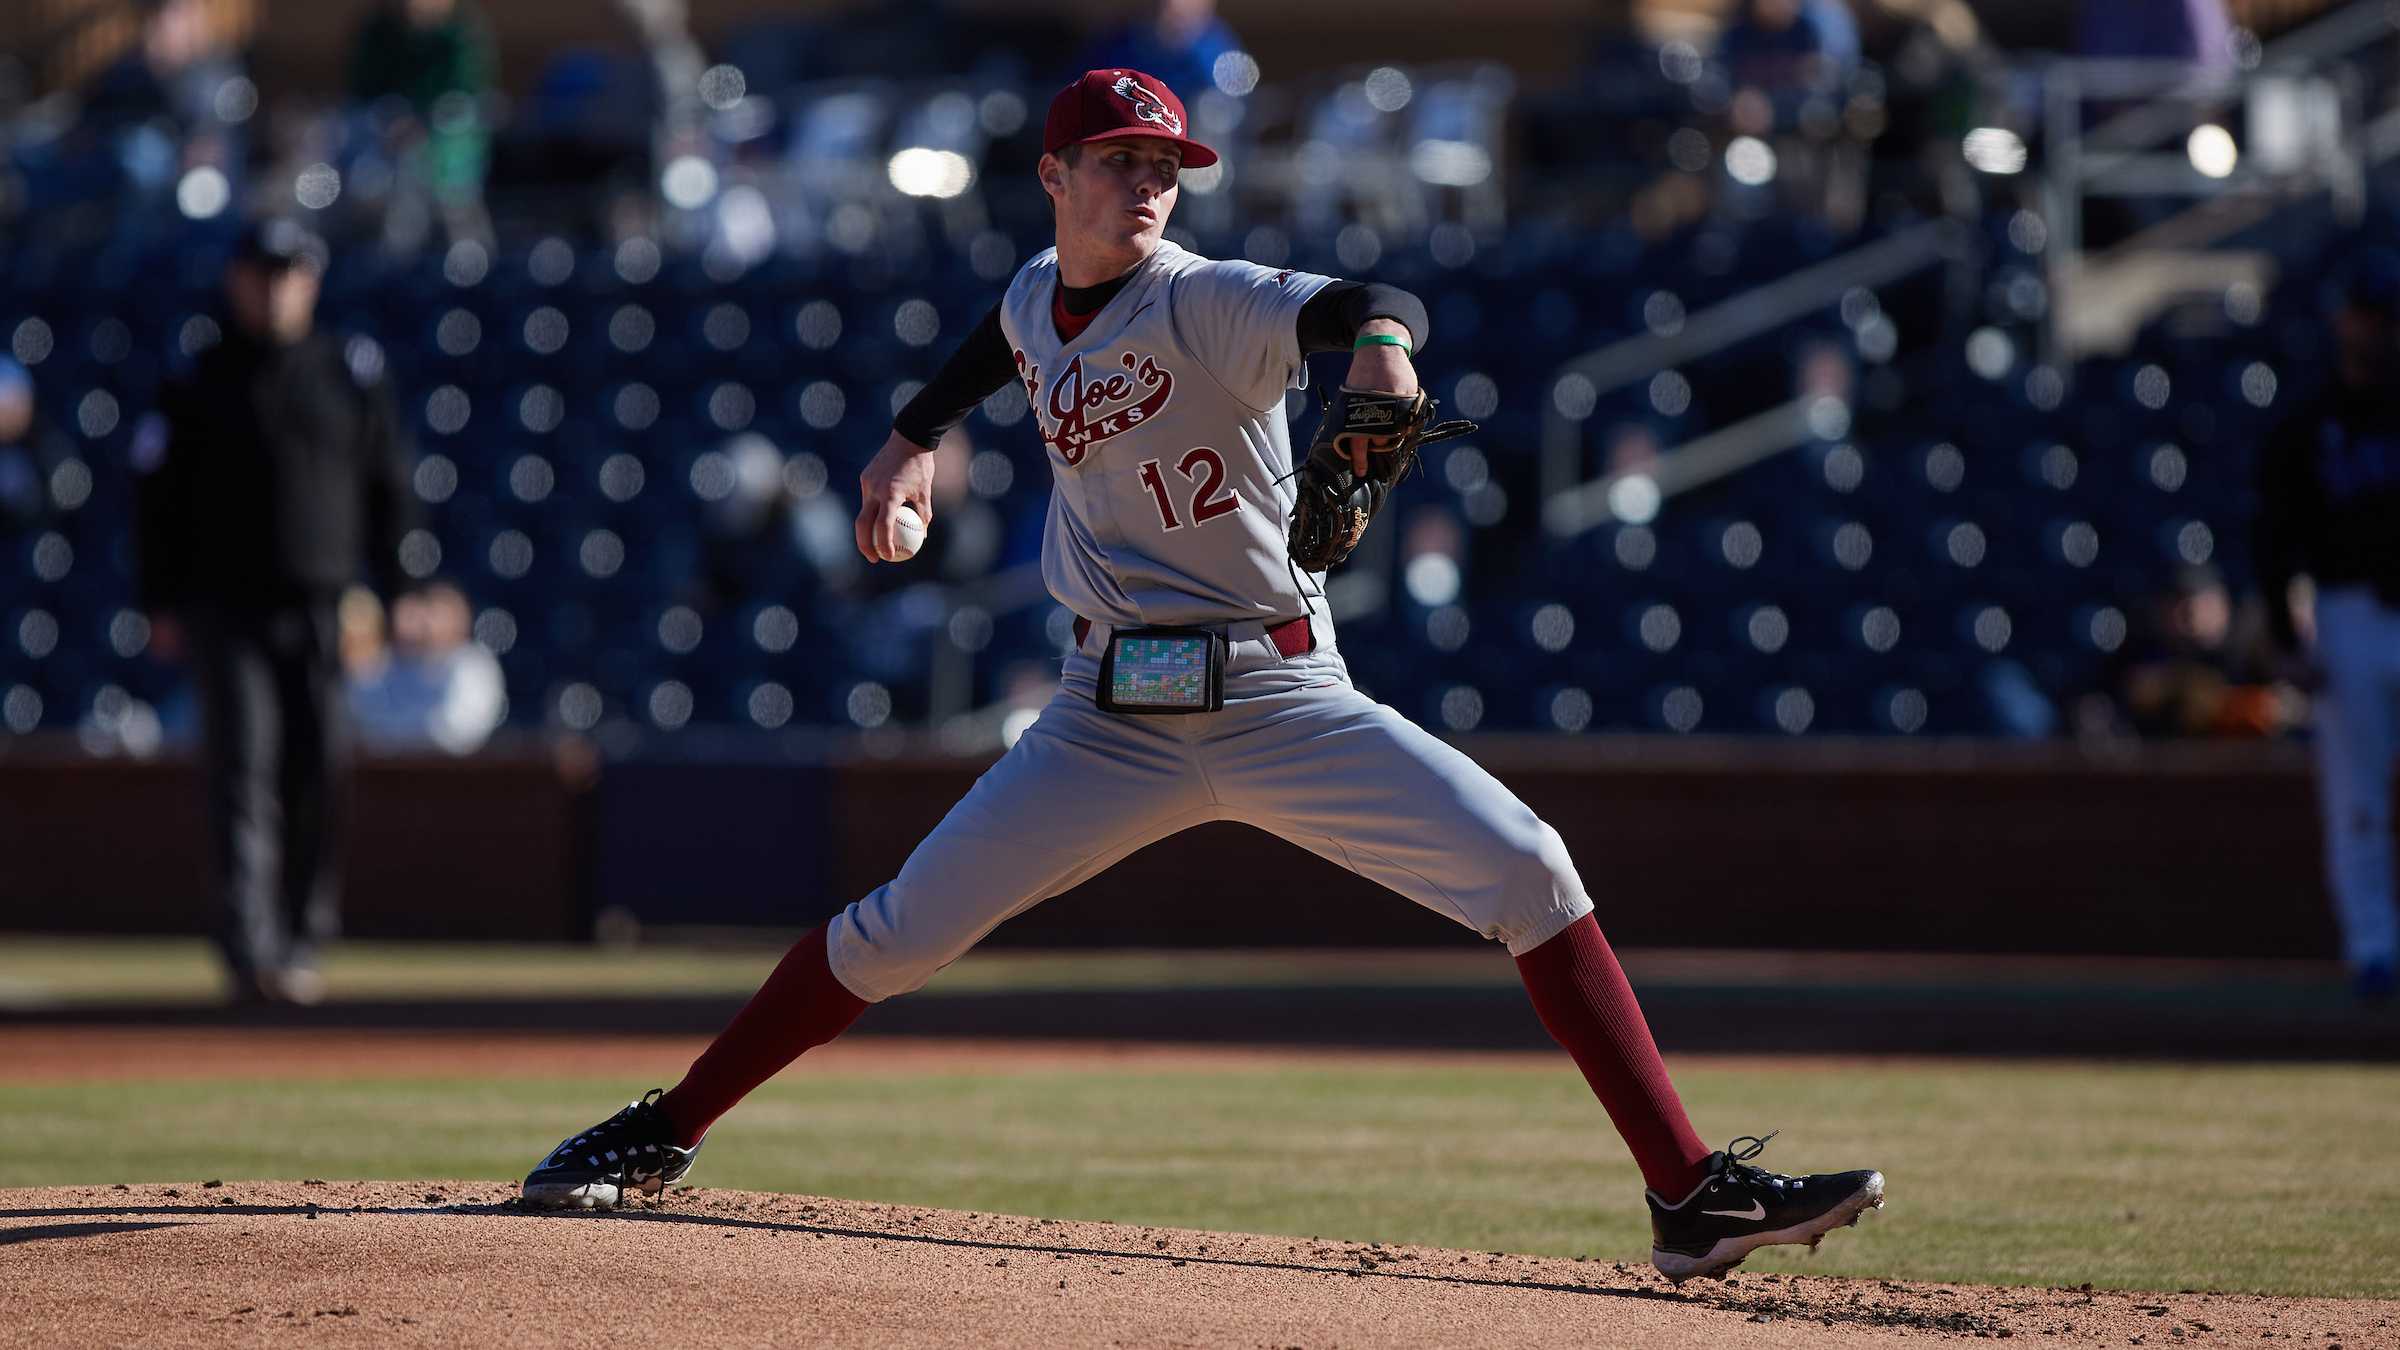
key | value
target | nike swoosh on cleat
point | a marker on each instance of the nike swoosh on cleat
(1757, 1210)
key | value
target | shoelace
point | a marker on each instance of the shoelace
(603, 1138)
(1737, 1162)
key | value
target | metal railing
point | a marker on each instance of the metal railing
(2307, 131)
(1574, 506)
(2325, 141)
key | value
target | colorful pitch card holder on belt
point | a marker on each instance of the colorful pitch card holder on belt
(1162, 670)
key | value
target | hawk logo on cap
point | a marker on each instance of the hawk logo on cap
(1146, 105)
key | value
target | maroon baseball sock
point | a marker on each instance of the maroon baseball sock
(1581, 994)
(800, 1007)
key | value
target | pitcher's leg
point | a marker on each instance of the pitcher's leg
(800, 1007)
(1355, 782)
(1588, 1007)
(1079, 791)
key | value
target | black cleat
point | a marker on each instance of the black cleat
(1738, 1209)
(630, 1153)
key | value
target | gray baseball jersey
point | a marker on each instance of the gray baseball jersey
(1164, 421)
(1166, 436)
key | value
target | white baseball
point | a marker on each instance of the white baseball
(911, 528)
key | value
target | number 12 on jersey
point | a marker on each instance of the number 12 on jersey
(1205, 469)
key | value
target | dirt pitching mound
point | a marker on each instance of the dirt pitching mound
(451, 1263)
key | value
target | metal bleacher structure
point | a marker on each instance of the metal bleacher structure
(1903, 491)
(1962, 544)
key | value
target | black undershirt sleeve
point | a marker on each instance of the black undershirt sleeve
(1330, 321)
(980, 366)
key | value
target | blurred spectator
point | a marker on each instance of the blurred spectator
(176, 101)
(676, 63)
(903, 610)
(822, 533)
(972, 530)
(743, 521)
(1783, 45)
(577, 156)
(935, 38)
(1632, 448)
(1433, 557)
(423, 68)
(1180, 44)
(29, 450)
(1790, 62)
(2196, 31)
(2329, 511)
(270, 474)
(360, 616)
(1935, 60)
(2194, 672)
(1824, 370)
(433, 686)
(2015, 702)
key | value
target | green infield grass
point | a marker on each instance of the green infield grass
(2263, 1179)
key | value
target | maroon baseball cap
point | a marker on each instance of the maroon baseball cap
(1105, 104)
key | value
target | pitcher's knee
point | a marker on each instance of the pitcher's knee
(876, 956)
(1537, 893)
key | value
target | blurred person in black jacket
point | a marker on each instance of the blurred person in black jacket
(2329, 510)
(271, 473)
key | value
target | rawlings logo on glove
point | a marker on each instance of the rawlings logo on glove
(1335, 503)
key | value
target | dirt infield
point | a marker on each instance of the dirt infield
(447, 1263)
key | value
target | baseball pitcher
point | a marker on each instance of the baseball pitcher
(1206, 681)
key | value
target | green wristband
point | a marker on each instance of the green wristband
(1366, 340)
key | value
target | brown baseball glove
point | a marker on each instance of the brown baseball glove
(1335, 503)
